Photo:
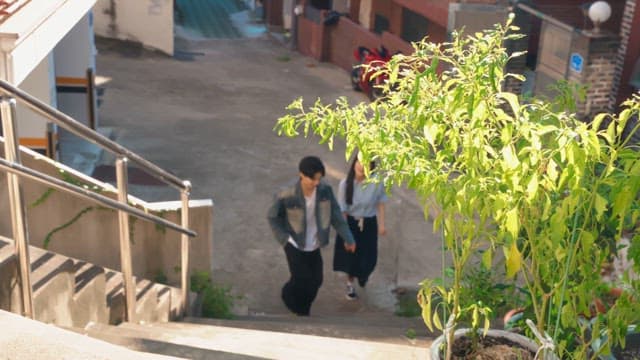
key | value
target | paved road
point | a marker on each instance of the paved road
(210, 119)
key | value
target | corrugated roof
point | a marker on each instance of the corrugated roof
(10, 7)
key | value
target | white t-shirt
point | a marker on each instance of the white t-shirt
(311, 236)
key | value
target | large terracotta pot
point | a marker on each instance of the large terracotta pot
(520, 340)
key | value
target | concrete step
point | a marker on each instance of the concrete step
(53, 281)
(9, 295)
(379, 327)
(154, 302)
(90, 301)
(219, 341)
(134, 341)
(69, 292)
(28, 339)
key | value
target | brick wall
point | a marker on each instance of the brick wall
(343, 38)
(628, 53)
(600, 68)
(311, 40)
(273, 12)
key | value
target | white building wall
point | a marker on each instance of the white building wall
(149, 22)
(73, 55)
(32, 128)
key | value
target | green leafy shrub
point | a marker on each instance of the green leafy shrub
(407, 305)
(217, 301)
(528, 182)
(484, 285)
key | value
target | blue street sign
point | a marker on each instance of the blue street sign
(576, 62)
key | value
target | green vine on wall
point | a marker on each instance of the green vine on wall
(97, 189)
(47, 239)
(42, 197)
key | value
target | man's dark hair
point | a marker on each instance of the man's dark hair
(311, 165)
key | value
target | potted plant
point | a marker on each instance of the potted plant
(502, 175)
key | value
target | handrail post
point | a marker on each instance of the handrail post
(16, 201)
(184, 196)
(91, 98)
(125, 245)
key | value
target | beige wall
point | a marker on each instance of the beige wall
(94, 235)
(149, 22)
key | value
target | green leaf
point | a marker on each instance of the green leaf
(600, 205)
(597, 120)
(510, 159)
(587, 240)
(514, 260)
(532, 188)
(511, 222)
(436, 321)
(512, 99)
(487, 258)
(552, 170)
(424, 300)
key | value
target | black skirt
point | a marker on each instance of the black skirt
(361, 263)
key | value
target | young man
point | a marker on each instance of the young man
(300, 217)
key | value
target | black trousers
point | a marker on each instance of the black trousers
(306, 277)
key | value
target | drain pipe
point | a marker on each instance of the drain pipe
(296, 10)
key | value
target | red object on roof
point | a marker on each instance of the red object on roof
(10, 7)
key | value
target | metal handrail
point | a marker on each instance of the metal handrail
(81, 130)
(88, 194)
(15, 170)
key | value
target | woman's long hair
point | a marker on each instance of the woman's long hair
(351, 177)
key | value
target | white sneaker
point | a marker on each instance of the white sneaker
(351, 293)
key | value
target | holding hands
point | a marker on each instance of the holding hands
(350, 248)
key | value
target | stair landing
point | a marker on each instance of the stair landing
(199, 341)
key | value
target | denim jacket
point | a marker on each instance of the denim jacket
(287, 215)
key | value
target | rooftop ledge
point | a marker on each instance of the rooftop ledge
(30, 29)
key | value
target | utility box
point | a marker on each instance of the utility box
(581, 57)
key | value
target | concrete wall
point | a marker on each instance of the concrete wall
(93, 236)
(149, 22)
(73, 55)
(39, 83)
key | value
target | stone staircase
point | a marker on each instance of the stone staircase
(267, 337)
(86, 299)
(73, 293)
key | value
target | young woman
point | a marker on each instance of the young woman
(362, 203)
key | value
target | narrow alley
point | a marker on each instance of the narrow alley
(210, 117)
